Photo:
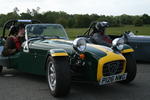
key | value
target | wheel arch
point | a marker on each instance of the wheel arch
(55, 53)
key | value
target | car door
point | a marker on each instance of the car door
(32, 61)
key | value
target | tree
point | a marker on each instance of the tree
(126, 19)
(138, 21)
(71, 21)
(115, 21)
(94, 17)
(34, 12)
(28, 11)
(146, 19)
(16, 10)
(2, 19)
(25, 16)
(82, 21)
(62, 21)
(74, 20)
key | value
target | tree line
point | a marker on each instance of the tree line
(75, 20)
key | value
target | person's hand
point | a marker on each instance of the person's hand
(14, 50)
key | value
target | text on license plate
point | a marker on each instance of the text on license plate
(113, 78)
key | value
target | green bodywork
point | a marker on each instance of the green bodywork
(34, 61)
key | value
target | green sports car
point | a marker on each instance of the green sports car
(48, 51)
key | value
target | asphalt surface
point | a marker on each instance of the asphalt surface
(23, 86)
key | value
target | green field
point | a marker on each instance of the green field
(144, 30)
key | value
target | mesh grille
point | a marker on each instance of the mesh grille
(112, 68)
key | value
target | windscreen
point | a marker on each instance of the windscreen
(46, 30)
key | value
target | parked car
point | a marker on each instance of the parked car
(48, 51)
(139, 43)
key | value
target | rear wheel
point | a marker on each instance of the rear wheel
(58, 76)
(1, 69)
(131, 68)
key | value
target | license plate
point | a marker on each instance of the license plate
(113, 78)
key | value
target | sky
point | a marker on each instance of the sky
(100, 7)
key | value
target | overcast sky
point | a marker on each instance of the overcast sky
(106, 7)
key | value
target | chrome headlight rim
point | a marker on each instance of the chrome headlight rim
(118, 43)
(79, 44)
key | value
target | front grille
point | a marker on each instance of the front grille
(112, 68)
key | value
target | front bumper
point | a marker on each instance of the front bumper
(110, 57)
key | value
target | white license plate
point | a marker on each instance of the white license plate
(113, 78)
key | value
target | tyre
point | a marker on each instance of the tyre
(131, 68)
(58, 76)
(1, 69)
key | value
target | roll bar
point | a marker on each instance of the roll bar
(14, 21)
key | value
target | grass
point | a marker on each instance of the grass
(144, 30)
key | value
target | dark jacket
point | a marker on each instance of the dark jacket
(11, 46)
(100, 39)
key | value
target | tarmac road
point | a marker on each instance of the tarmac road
(24, 86)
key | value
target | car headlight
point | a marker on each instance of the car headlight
(79, 44)
(118, 43)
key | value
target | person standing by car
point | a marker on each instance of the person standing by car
(14, 41)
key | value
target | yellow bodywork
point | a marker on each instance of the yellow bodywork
(59, 54)
(111, 56)
(127, 51)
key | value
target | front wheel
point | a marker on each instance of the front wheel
(1, 69)
(131, 68)
(58, 76)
